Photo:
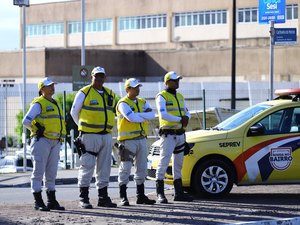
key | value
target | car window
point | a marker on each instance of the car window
(281, 122)
(241, 117)
(295, 126)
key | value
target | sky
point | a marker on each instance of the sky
(10, 23)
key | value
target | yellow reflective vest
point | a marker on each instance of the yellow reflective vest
(97, 113)
(175, 107)
(130, 130)
(51, 118)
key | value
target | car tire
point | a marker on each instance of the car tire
(213, 179)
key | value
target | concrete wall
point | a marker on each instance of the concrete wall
(252, 63)
(11, 63)
(119, 64)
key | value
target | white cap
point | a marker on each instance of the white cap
(97, 70)
(45, 82)
(171, 76)
(132, 82)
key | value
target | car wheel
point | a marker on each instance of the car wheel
(213, 178)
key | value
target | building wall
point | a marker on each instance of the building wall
(200, 52)
(11, 63)
(169, 36)
(252, 63)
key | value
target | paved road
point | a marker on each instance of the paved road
(275, 204)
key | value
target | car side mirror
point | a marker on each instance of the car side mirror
(256, 129)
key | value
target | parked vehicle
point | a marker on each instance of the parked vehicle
(14, 164)
(258, 145)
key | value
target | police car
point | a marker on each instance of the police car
(258, 145)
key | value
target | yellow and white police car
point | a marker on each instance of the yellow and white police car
(258, 145)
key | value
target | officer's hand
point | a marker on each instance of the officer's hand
(40, 131)
(148, 110)
(184, 121)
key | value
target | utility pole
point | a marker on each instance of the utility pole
(233, 56)
(24, 4)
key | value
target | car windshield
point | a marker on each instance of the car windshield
(241, 117)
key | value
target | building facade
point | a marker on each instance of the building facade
(192, 37)
(148, 24)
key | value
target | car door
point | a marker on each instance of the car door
(272, 148)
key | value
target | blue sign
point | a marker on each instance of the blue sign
(284, 36)
(271, 10)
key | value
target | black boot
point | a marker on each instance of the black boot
(52, 203)
(141, 197)
(161, 198)
(179, 193)
(39, 203)
(123, 195)
(84, 198)
(104, 200)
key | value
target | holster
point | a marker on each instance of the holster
(125, 154)
(185, 147)
(81, 148)
(40, 131)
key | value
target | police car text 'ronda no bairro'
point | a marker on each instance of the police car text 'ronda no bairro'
(258, 145)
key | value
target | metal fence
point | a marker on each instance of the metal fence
(217, 94)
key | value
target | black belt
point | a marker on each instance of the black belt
(171, 132)
(101, 132)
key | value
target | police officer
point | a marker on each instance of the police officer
(133, 114)
(173, 119)
(93, 111)
(46, 123)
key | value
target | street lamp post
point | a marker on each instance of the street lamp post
(82, 34)
(233, 57)
(24, 4)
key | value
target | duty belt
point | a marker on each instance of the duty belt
(171, 132)
(101, 132)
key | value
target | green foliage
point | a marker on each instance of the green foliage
(19, 127)
(69, 120)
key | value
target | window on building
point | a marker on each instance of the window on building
(200, 18)
(44, 29)
(142, 22)
(97, 25)
(292, 12)
(247, 15)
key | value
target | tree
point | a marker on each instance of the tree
(70, 124)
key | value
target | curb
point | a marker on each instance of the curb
(62, 181)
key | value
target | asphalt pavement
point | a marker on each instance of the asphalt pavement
(69, 176)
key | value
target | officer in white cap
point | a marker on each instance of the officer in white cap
(47, 125)
(173, 119)
(133, 115)
(93, 111)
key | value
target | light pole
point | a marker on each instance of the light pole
(233, 57)
(24, 4)
(82, 34)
